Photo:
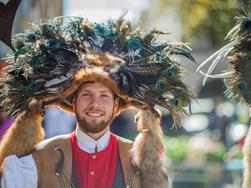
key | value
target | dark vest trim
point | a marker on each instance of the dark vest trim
(60, 170)
(74, 178)
(119, 181)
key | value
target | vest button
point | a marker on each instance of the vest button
(94, 157)
(92, 173)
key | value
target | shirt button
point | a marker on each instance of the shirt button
(92, 173)
(94, 157)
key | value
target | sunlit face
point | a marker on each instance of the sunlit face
(94, 107)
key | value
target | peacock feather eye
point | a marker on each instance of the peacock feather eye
(242, 86)
(51, 43)
(174, 102)
(161, 85)
(134, 43)
(31, 38)
(246, 25)
(157, 57)
(111, 34)
(100, 29)
(169, 73)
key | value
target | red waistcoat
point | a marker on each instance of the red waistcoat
(96, 170)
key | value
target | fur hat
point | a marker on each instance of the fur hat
(53, 59)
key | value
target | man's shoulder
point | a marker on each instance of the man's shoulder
(124, 143)
(124, 140)
(46, 152)
(54, 142)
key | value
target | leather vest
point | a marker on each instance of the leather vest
(48, 158)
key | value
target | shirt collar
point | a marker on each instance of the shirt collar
(88, 144)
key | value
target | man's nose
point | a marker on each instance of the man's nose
(95, 101)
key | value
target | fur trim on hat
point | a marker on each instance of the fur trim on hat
(64, 100)
(148, 150)
(82, 76)
(98, 69)
(24, 133)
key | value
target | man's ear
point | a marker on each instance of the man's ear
(74, 104)
(116, 105)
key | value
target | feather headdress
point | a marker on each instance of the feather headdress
(46, 59)
(237, 78)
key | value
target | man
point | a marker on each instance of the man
(94, 106)
(94, 71)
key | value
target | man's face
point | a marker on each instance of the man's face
(94, 107)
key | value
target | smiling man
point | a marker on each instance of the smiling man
(94, 71)
(100, 158)
(94, 106)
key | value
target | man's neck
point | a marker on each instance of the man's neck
(88, 144)
(95, 136)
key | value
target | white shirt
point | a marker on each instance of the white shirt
(88, 144)
(22, 172)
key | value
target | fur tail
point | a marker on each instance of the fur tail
(23, 134)
(148, 150)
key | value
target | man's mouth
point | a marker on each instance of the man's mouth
(94, 114)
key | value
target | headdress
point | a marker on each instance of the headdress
(53, 59)
(237, 78)
(47, 58)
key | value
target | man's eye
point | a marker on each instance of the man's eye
(85, 94)
(105, 96)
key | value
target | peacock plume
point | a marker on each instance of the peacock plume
(237, 78)
(46, 58)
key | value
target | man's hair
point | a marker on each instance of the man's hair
(75, 94)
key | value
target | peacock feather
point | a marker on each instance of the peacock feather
(237, 78)
(47, 56)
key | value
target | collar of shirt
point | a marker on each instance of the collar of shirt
(88, 144)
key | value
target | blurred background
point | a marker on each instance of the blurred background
(206, 151)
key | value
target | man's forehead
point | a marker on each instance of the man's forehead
(95, 86)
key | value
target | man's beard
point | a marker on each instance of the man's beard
(93, 127)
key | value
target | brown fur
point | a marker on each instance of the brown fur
(82, 76)
(22, 136)
(93, 75)
(148, 150)
(96, 71)
(247, 161)
(102, 60)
